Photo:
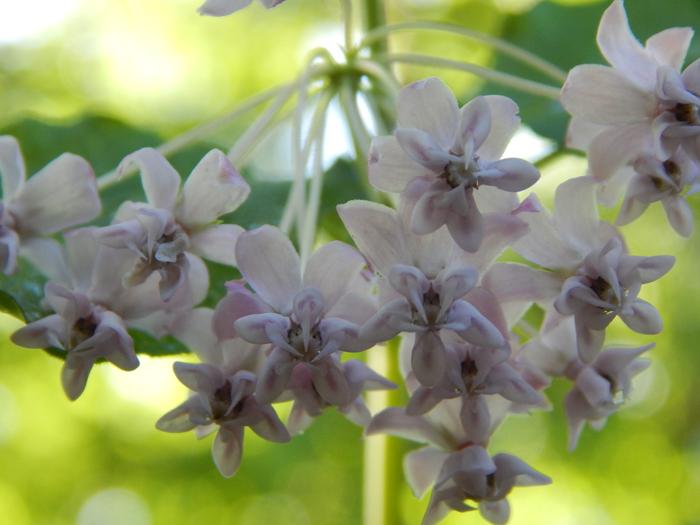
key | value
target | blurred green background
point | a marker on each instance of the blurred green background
(104, 77)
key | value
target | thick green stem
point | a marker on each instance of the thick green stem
(383, 473)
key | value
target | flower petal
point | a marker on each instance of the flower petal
(270, 264)
(61, 195)
(510, 175)
(269, 426)
(576, 213)
(217, 243)
(496, 512)
(11, 167)
(612, 149)
(74, 376)
(428, 358)
(423, 149)
(201, 377)
(670, 46)
(390, 168)
(376, 232)
(160, 180)
(430, 106)
(644, 318)
(274, 376)
(421, 468)
(332, 270)
(396, 422)
(213, 189)
(474, 125)
(227, 450)
(680, 215)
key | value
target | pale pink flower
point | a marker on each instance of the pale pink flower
(177, 226)
(425, 280)
(601, 387)
(641, 104)
(666, 181)
(226, 7)
(60, 196)
(91, 310)
(307, 316)
(457, 152)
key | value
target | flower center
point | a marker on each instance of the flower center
(83, 329)
(457, 174)
(688, 113)
(673, 172)
(295, 337)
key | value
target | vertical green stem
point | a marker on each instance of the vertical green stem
(383, 454)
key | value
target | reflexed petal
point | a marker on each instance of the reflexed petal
(589, 342)
(496, 512)
(422, 401)
(576, 213)
(61, 195)
(11, 167)
(602, 95)
(262, 328)
(376, 232)
(46, 332)
(237, 303)
(517, 282)
(222, 7)
(680, 215)
(178, 419)
(513, 471)
(670, 46)
(217, 243)
(200, 377)
(481, 331)
(475, 418)
(465, 223)
(332, 269)
(270, 264)
(653, 268)
(214, 188)
(47, 256)
(390, 168)
(269, 426)
(74, 376)
(227, 450)
(612, 149)
(429, 213)
(691, 76)
(504, 123)
(630, 210)
(421, 468)
(428, 358)
(615, 362)
(396, 422)
(430, 106)
(160, 180)
(644, 318)
(274, 376)
(622, 50)
(595, 388)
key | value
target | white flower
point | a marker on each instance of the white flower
(641, 104)
(60, 196)
(456, 151)
(176, 227)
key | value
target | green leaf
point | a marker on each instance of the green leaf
(21, 293)
(145, 343)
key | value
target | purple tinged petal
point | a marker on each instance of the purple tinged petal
(510, 175)
(429, 213)
(178, 419)
(594, 388)
(513, 471)
(643, 318)
(360, 375)
(410, 282)
(429, 105)
(269, 426)
(516, 282)
(238, 303)
(48, 256)
(615, 147)
(274, 376)
(576, 213)
(331, 384)
(376, 232)
(691, 75)
(603, 95)
(577, 411)
(653, 268)
(11, 167)
(630, 210)
(217, 243)
(214, 188)
(262, 328)
(270, 264)
(614, 361)
(222, 7)
(422, 400)
(392, 318)
(504, 123)
(464, 222)
(46, 332)
(227, 450)
(74, 376)
(61, 195)
(474, 125)
(421, 468)
(332, 270)
(476, 420)
(423, 149)
(428, 358)
(481, 331)
(160, 180)
(589, 342)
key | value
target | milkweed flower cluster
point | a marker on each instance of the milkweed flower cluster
(426, 271)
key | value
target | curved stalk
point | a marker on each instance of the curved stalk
(346, 6)
(359, 132)
(526, 57)
(498, 77)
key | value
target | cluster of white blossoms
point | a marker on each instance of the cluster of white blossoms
(426, 271)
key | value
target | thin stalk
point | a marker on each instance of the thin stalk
(346, 6)
(498, 77)
(526, 57)
(383, 454)
(311, 218)
(377, 72)
(358, 130)
(196, 133)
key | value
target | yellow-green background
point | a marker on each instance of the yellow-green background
(153, 68)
